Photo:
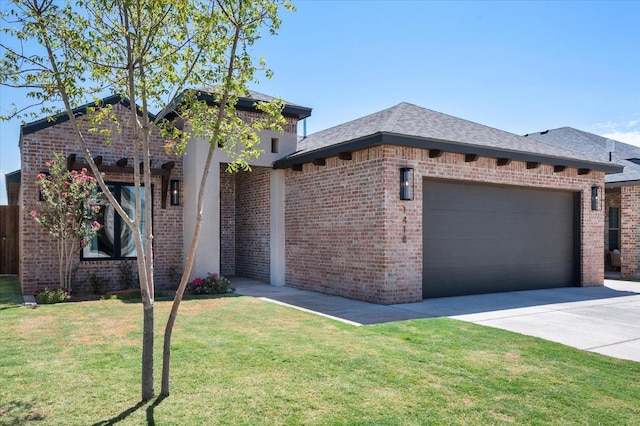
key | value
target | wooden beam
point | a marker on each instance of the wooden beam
(435, 153)
(583, 171)
(117, 168)
(468, 158)
(297, 167)
(504, 161)
(168, 166)
(344, 156)
(532, 164)
(558, 169)
(320, 162)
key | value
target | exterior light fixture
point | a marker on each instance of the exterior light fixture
(175, 192)
(406, 183)
(596, 198)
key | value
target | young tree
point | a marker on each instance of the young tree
(68, 211)
(150, 51)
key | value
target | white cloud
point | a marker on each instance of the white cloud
(632, 137)
(627, 131)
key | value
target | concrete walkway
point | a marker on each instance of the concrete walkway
(603, 319)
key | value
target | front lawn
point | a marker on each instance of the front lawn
(10, 295)
(238, 360)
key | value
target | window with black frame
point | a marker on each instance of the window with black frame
(115, 239)
(614, 228)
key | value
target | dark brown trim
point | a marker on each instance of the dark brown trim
(503, 161)
(319, 162)
(468, 158)
(344, 156)
(435, 153)
(384, 138)
(559, 168)
(533, 164)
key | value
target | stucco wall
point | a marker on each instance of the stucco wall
(345, 222)
(38, 261)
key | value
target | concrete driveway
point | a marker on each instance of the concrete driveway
(603, 319)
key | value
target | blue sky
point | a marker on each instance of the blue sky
(517, 66)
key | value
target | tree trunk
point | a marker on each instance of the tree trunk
(147, 354)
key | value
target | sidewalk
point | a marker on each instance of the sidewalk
(602, 319)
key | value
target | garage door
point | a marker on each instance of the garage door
(481, 238)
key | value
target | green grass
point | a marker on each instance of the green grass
(10, 295)
(238, 360)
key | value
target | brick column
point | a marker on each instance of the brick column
(629, 221)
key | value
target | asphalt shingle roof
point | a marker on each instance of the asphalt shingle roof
(595, 146)
(434, 130)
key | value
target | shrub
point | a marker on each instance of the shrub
(127, 278)
(47, 296)
(212, 284)
(98, 283)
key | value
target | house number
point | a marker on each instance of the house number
(404, 227)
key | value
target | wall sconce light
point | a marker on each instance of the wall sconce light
(406, 183)
(174, 187)
(596, 198)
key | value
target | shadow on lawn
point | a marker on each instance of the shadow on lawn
(19, 412)
(129, 411)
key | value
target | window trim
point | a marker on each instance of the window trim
(117, 224)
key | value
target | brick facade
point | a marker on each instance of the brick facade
(227, 222)
(38, 259)
(252, 224)
(244, 223)
(345, 223)
(629, 235)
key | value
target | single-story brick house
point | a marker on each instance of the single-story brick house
(102, 260)
(622, 191)
(400, 205)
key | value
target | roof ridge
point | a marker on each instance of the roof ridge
(397, 112)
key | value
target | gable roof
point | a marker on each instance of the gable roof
(596, 146)
(61, 117)
(244, 102)
(409, 125)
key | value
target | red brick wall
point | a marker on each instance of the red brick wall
(38, 260)
(227, 222)
(345, 223)
(291, 125)
(629, 236)
(252, 221)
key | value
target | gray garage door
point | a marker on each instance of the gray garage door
(481, 238)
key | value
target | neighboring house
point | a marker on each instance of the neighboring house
(400, 205)
(105, 255)
(622, 191)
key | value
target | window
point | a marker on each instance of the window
(274, 145)
(614, 228)
(115, 239)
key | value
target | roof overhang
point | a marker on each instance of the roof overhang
(35, 126)
(386, 138)
(622, 183)
(244, 103)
